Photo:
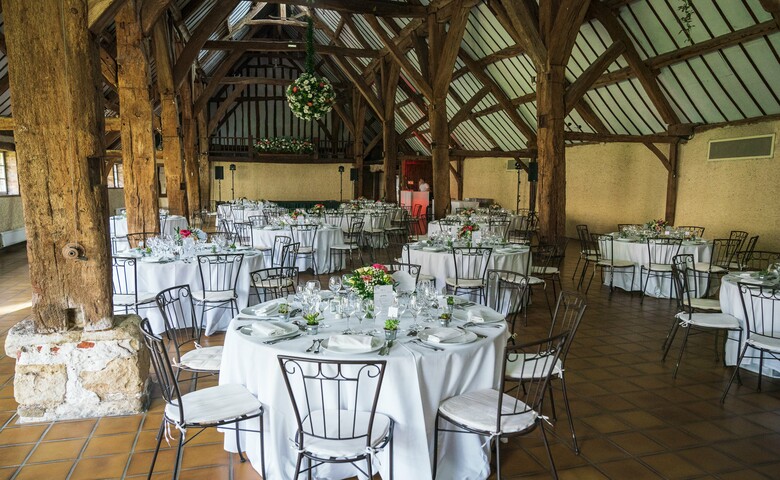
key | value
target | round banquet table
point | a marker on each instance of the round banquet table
(660, 287)
(441, 264)
(731, 303)
(416, 380)
(154, 277)
(327, 235)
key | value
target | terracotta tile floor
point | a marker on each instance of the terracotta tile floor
(633, 420)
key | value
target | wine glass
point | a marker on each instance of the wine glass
(334, 284)
(366, 312)
(416, 305)
(313, 287)
(349, 306)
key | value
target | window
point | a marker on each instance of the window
(3, 178)
(116, 177)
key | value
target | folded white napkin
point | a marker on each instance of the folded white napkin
(267, 329)
(350, 342)
(439, 335)
(266, 309)
(405, 281)
(475, 316)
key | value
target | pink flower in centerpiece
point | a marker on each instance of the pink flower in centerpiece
(379, 266)
(185, 233)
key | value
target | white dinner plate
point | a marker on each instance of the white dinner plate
(467, 337)
(487, 315)
(376, 344)
(433, 249)
(289, 330)
(251, 311)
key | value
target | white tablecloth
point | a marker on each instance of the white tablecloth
(416, 381)
(118, 225)
(442, 265)
(659, 287)
(155, 277)
(456, 204)
(327, 235)
(731, 303)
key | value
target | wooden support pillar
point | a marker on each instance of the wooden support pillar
(671, 183)
(169, 118)
(204, 169)
(140, 170)
(55, 88)
(550, 91)
(440, 153)
(359, 107)
(189, 132)
(390, 75)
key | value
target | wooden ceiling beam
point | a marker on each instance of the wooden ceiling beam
(286, 22)
(385, 8)
(101, 13)
(565, 28)
(285, 46)
(216, 119)
(467, 107)
(218, 13)
(608, 138)
(219, 73)
(523, 21)
(250, 15)
(150, 11)
(772, 7)
(524, 153)
(399, 57)
(645, 74)
(584, 82)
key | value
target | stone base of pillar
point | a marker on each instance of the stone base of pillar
(78, 374)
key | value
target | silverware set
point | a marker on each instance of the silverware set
(316, 344)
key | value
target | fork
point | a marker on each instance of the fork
(319, 345)
(419, 342)
(485, 325)
(313, 343)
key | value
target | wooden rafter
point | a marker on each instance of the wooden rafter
(150, 11)
(511, 51)
(522, 19)
(286, 46)
(465, 110)
(583, 83)
(602, 137)
(216, 119)
(384, 8)
(100, 13)
(219, 73)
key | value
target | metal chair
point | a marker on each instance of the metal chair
(335, 404)
(606, 261)
(569, 311)
(351, 244)
(184, 330)
(738, 235)
(218, 279)
(761, 307)
(502, 413)
(125, 286)
(278, 281)
(690, 320)
(743, 256)
(694, 230)
(410, 268)
(139, 239)
(407, 258)
(273, 253)
(723, 252)
(257, 220)
(306, 236)
(244, 233)
(470, 267)
(505, 292)
(660, 252)
(760, 260)
(585, 252)
(225, 405)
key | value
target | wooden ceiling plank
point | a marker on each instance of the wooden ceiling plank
(218, 13)
(645, 74)
(583, 83)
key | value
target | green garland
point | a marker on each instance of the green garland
(310, 97)
(283, 145)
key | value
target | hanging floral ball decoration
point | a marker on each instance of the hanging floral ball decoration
(310, 97)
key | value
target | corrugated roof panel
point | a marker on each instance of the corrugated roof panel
(368, 34)
(503, 131)
(511, 76)
(749, 81)
(472, 136)
(759, 49)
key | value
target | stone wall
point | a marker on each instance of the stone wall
(77, 374)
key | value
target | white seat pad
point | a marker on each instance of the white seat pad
(215, 404)
(764, 342)
(219, 296)
(462, 282)
(202, 359)
(710, 320)
(275, 282)
(340, 448)
(306, 250)
(478, 410)
(344, 246)
(129, 299)
(705, 267)
(704, 304)
(518, 367)
(660, 267)
(616, 263)
(422, 278)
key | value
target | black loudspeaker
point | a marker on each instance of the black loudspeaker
(353, 174)
(219, 173)
(533, 172)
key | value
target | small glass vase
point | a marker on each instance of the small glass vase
(445, 321)
(390, 335)
(312, 329)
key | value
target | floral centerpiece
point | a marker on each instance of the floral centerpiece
(468, 212)
(310, 97)
(318, 209)
(194, 233)
(364, 279)
(495, 207)
(657, 226)
(284, 145)
(354, 206)
(298, 212)
(467, 230)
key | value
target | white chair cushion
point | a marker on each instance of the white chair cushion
(478, 410)
(306, 250)
(616, 263)
(215, 404)
(705, 267)
(660, 267)
(764, 342)
(545, 270)
(338, 448)
(704, 304)
(129, 299)
(206, 359)
(219, 296)
(462, 282)
(422, 278)
(710, 320)
(535, 281)
(344, 246)
(518, 368)
(274, 283)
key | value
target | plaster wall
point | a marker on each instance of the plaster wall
(489, 178)
(277, 181)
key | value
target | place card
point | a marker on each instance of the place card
(383, 299)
